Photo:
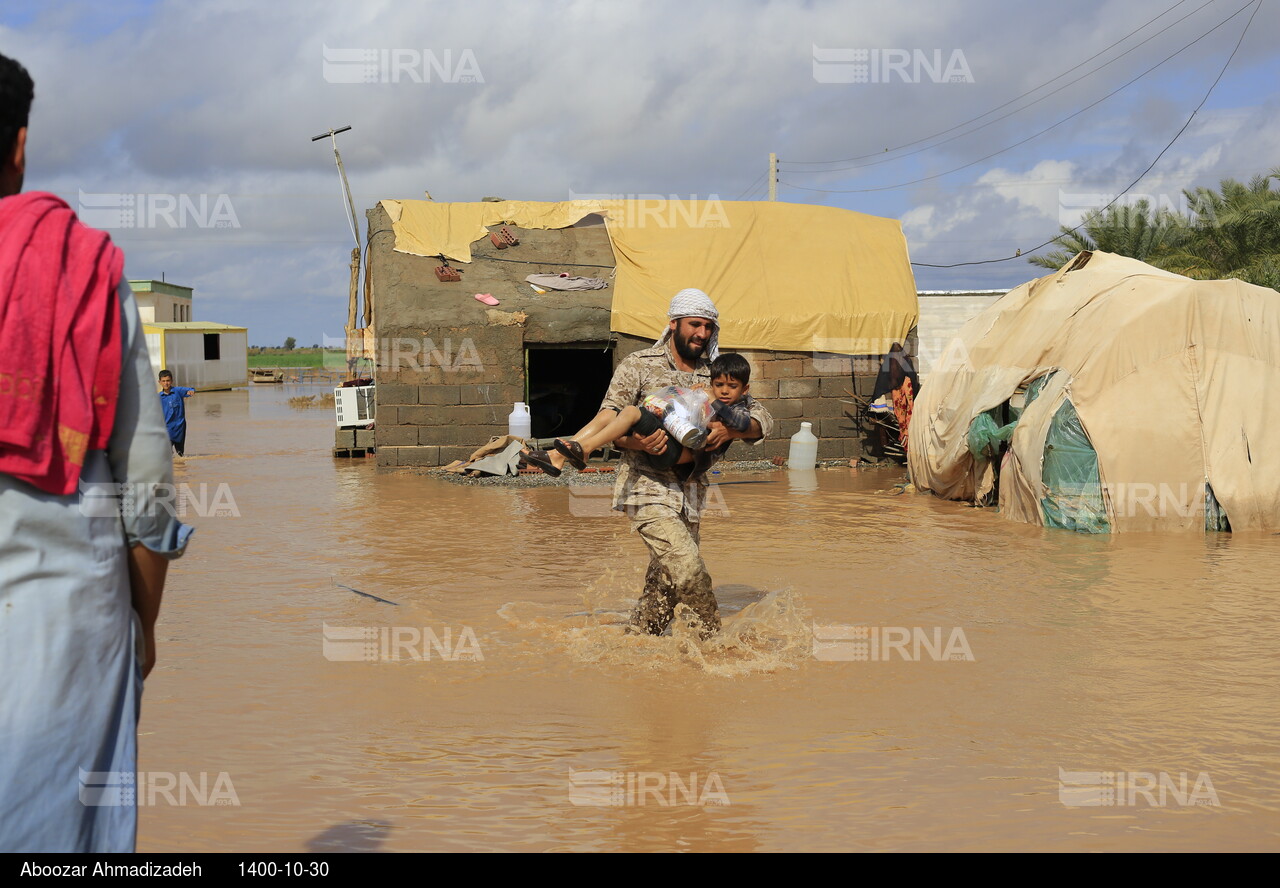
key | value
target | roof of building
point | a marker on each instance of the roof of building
(192, 326)
(784, 276)
(164, 287)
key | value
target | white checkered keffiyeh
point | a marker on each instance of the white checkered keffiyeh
(693, 303)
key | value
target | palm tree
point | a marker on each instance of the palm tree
(1235, 233)
(1126, 230)
(1230, 233)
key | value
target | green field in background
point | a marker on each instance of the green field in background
(301, 357)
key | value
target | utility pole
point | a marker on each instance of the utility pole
(773, 177)
(332, 135)
(354, 291)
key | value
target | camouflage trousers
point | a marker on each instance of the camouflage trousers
(677, 573)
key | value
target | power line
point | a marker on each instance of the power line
(1010, 113)
(752, 187)
(1035, 134)
(1176, 135)
(926, 138)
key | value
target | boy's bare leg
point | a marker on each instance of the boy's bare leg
(598, 422)
(618, 425)
(601, 420)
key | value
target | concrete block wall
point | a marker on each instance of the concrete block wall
(800, 387)
(441, 404)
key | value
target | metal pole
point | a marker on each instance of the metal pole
(332, 134)
(354, 286)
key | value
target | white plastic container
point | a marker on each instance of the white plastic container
(520, 423)
(804, 448)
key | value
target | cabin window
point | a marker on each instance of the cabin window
(212, 346)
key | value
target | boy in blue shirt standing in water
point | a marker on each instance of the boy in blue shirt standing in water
(175, 413)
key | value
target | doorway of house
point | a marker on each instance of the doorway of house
(566, 382)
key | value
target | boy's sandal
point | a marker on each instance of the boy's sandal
(572, 451)
(542, 460)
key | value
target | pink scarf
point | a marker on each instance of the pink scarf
(60, 347)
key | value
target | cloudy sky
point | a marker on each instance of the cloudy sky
(980, 124)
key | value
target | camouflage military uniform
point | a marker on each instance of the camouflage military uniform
(665, 505)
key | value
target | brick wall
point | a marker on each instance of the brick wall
(798, 387)
(440, 404)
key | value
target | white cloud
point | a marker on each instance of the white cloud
(667, 97)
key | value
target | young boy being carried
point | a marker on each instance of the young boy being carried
(728, 404)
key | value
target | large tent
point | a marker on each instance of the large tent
(1111, 396)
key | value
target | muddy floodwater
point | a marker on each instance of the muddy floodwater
(896, 673)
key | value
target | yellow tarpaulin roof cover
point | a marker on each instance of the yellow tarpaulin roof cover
(787, 277)
(1173, 380)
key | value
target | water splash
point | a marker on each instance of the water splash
(767, 635)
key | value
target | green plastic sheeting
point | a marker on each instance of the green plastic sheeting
(1033, 390)
(1073, 498)
(985, 437)
(1215, 517)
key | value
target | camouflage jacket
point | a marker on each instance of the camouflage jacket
(639, 483)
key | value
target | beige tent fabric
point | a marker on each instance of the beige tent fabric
(786, 277)
(1170, 377)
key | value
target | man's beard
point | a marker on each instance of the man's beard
(686, 350)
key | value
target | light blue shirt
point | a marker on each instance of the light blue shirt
(70, 677)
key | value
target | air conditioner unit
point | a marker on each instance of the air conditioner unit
(354, 406)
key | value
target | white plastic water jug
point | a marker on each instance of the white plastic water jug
(804, 448)
(520, 423)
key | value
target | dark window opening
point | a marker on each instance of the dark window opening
(212, 346)
(565, 385)
(1080, 261)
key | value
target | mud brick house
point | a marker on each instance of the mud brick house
(812, 296)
